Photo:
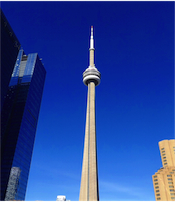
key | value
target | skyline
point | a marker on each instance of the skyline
(134, 108)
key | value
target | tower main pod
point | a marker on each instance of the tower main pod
(89, 178)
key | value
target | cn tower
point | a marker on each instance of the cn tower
(89, 190)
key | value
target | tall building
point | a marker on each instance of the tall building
(19, 122)
(9, 51)
(89, 190)
(164, 178)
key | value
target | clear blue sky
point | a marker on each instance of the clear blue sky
(134, 51)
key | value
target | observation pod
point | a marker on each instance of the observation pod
(91, 74)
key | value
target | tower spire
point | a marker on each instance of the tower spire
(91, 49)
(92, 39)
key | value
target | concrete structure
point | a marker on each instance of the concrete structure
(164, 178)
(89, 178)
(167, 152)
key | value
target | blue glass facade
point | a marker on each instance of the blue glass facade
(9, 50)
(19, 121)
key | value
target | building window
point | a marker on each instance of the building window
(165, 163)
(155, 176)
(170, 183)
(157, 194)
(169, 175)
(163, 154)
(172, 197)
(157, 190)
(172, 194)
(157, 187)
(162, 148)
(169, 178)
(155, 180)
(156, 183)
(171, 186)
(163, 151)
(164, 157)
(171, 190)
(171, 172)
(164, 160)
(158, 198)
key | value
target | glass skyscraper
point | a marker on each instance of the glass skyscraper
(19, 122)
(10, 47)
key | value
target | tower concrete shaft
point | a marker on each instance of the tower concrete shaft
(89, 190)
